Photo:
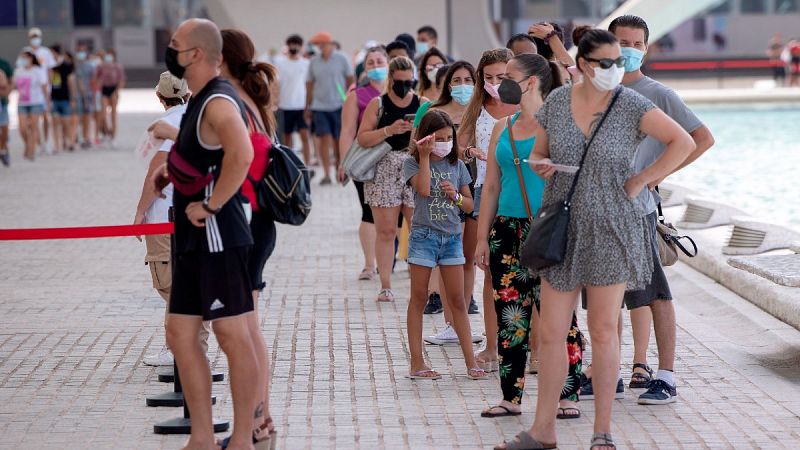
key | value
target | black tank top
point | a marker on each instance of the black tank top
(391, 113)
(228, 228)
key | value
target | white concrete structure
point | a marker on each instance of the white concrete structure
(354, 22)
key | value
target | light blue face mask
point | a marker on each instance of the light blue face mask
(22, 62)
(422, 48)
(378, 73)
(462, 93)
(633, 58)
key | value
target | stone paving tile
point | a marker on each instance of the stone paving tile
(77, 317)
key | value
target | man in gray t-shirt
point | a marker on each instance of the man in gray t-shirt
(650, 149)
(329, 77)
(632, 33)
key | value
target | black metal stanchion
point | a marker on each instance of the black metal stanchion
(183, 425)
(180, 425)
(168, 376)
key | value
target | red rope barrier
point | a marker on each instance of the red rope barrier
(29, 234)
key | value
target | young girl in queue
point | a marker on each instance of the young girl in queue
(440, 181)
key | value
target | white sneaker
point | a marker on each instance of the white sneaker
(162, 358)
(449, 336)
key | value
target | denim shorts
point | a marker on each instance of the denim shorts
(326, 122)
(83, 105)
(61, 108)
(429, 248)
(25, 110)
(3, 115)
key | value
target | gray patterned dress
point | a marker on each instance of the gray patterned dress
(608, 240)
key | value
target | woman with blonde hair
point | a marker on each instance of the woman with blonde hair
(385, 120)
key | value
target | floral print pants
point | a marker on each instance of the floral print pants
(515, 295)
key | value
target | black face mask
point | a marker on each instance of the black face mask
(171, 60)
(401, 88)
(293, 51)
(510, 93)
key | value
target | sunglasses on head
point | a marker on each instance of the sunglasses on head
(606, 63)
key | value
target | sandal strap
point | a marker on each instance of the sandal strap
(602, 440)
(643, 366)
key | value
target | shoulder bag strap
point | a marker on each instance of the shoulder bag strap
(519, 169)
(589, 143)
(661, 217)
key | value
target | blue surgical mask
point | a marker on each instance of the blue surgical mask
(422, 48)
(36, 42)
(633, 58)
(22, 62)
(378, 73)
(108, 58)
(81, 56)
(462, 93)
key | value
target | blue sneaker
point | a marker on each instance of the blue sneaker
(659, 392)
(587, 391)
(434, 305)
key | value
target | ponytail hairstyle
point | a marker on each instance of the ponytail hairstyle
(547, 72)
(590, 41)
(433, 121)
(398, 64)
(480, 96)
(256, 78)
(578, 32)
(32, 56)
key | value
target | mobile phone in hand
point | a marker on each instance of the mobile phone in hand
(409, 117)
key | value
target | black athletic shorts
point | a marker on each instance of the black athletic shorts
(212, 285)
(293, 121)
(108, 91)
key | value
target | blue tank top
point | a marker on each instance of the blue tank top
(510, 203)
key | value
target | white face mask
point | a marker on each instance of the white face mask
(607, 79)
(442, 149)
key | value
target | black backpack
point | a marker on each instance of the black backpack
(284, 192)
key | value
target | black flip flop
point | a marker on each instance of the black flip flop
(563, 413)
(502, 414)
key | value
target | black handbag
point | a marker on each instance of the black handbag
(546, 244)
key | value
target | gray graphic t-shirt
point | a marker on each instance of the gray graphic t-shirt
(650, 149)
(438, 212)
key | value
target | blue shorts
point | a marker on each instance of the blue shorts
(326, 122)
(83, 105)
(3, 115)
(429, 248)
(25, 110)
(61, 108)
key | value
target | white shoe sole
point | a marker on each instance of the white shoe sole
(649, 401)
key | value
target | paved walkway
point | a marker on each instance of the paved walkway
(77, 317)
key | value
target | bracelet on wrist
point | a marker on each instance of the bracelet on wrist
(385, 131)
(209, 209)
(459, 200)
(549, 35)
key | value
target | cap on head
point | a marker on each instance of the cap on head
(34, 32)
(323, 37)
(170, 86)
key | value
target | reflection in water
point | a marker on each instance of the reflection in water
(755, 164)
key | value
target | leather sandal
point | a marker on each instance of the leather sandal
(602, 440)
(640, 380)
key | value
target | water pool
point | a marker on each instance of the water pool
(755, 164)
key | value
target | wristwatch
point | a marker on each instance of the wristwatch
(208, 208)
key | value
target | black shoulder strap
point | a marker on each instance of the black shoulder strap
(589, 143)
